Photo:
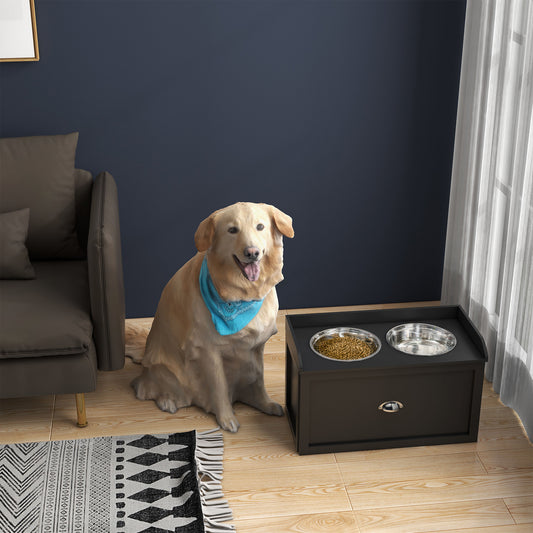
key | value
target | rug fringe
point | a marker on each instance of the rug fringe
(209, 455)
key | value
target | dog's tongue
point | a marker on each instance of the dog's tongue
(252, 271)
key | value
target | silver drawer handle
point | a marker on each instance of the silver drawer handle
(391, 406)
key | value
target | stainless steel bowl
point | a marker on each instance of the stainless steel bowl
(421, 339)
(361, 334)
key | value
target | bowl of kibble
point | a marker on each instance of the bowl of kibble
(345, 344)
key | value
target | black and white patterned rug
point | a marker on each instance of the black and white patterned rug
(134, 484)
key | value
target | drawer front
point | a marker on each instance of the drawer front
(338, 410)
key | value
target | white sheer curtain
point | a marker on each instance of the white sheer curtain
(488, 267)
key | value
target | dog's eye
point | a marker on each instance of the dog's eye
(233, 229)
(260, 227)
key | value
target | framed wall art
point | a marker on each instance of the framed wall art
(18, 31)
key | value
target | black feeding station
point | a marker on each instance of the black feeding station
(422, 385)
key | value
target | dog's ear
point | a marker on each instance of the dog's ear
(205, 233)
(282, 221)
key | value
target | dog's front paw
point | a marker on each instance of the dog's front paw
(229, 423)
(166, 403)
(274, 408)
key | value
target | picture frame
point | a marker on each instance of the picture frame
(18, 31)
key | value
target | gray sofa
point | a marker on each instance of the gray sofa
(61, 282)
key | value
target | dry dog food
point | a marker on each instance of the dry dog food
(345, 348)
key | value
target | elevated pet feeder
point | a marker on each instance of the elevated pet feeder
(421, 384)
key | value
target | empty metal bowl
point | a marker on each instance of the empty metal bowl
(370, 340)
(421, 339)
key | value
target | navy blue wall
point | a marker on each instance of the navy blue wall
(341, 113)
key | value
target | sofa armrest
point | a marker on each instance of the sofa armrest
(106, 281)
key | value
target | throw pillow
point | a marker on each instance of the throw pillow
(14, 260)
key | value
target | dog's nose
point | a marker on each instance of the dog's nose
(251, 253)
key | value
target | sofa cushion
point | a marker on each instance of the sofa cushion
(49, 315)
(14, 260)
(38, 172)
(56, 374)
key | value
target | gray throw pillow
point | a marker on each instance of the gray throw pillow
(14, 260)
(38, 173)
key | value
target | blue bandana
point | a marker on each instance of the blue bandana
(228, 317)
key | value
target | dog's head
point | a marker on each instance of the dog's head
(244, 247)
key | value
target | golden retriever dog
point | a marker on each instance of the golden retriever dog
(205, 347)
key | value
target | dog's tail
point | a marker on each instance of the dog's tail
(136, 335)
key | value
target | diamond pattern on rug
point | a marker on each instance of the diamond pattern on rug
(177, 500)
(150, 495)
(147, 442)
(148, 476)
(148, 459)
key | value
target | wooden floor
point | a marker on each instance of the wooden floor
(483, 486)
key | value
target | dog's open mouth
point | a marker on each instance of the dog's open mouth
(249, 270)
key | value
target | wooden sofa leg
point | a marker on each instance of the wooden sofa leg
(80, 408)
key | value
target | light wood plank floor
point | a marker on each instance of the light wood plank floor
(483, 486)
